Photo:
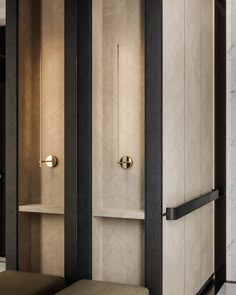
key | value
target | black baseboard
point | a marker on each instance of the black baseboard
(220, 278)
(230, 282)
(208, 287)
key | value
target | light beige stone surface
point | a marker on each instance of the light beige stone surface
(188, 147)
(118, 130)
(41, 68)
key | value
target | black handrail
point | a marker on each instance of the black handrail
(188, 207)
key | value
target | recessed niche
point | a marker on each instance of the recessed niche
(41, 133)
(118, 137)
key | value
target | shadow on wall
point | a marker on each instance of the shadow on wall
(2, 55)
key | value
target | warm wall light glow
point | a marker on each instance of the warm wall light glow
(2, 12)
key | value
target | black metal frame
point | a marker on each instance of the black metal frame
(220, 142)
(2, 138)
(84, 139)
(12, 134)
(153, 146)
(153, 143)
(208, 287)
(71, 142)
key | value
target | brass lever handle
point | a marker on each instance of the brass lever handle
(126, 162)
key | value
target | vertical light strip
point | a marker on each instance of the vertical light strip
(213, 82)
(40, 110)
(118, 100)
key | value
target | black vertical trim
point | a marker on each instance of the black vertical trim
(11, 134)
(220, 142)
(71, 145)
(2, 138)
(153, 146)
(84, 139)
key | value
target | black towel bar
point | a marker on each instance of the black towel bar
(188, 207)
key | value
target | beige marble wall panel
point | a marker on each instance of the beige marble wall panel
(52, 180)
(123, 248)
(29, 172)
(97, 187)
(173, 257)
(97, 106)
(97, 248)
(28, 124)
(193, 117)
(207, 135)
(188, 142)
(52, 54)
(121, 24)
(41, 238)
(118, 243)
(24, 246)
(173, 143)
(52, 244)
(35, 243)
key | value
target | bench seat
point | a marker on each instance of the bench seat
(24, 283)
(85, 287)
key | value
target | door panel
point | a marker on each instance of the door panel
(207, 135)
(193, 105)
(188, 148)
(173, 143)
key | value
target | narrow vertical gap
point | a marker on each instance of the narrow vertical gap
(213, 87)
(201, 135)
(184, 132)
(213, 121)
(118, 101)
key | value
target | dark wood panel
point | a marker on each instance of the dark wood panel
(153, 146)
(11, 134)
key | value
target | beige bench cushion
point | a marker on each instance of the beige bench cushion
(23, 283)
(85, 287)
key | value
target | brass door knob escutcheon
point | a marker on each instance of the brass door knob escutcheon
(126, 162)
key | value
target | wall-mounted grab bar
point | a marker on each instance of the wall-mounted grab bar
(183, 210)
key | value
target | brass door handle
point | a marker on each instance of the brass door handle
(126, 162)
